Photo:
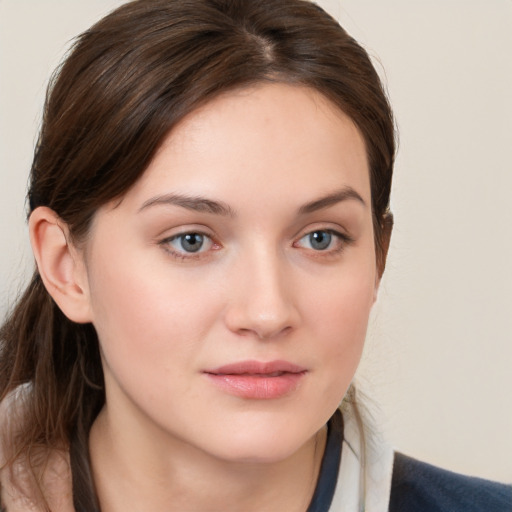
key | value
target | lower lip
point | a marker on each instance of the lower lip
(258, 387)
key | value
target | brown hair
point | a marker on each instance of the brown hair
(127, 81)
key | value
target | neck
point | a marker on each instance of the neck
(134, 472)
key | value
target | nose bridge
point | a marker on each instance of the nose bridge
(264, 302)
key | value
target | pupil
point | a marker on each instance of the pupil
(192, 242)
(320, 240)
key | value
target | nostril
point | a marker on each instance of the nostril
(265, 334)
(277, 333)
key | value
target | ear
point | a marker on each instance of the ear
(60, 264)
(386, 225)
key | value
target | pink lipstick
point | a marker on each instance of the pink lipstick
(257, 380)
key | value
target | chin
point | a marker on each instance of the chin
(265, 445)
(271, 453)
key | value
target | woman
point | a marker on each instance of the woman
(209, 213)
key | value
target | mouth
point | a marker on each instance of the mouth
(257, 380)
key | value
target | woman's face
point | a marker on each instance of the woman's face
(231, 287)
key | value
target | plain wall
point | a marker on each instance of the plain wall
(439, 351)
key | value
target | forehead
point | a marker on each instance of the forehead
(270, 139)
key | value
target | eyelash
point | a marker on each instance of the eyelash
(166, 244)
(340, 239)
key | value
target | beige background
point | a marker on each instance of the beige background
(439, 354)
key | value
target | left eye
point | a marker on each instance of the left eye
(319, 240)
(189, 242)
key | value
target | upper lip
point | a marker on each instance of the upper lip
(257, 368)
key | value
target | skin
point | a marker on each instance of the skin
(257, 289)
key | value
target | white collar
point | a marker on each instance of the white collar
(362, 489)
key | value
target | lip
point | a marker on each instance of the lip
(258, 380)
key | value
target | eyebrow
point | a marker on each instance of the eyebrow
(202, 204)
(330, 200)
(194, 203)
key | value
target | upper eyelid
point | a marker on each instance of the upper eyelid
(171, 238)
(333, 232)
(189, 232)
(169, 233)
(334, 228)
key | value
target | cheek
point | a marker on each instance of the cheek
(339, 315)
(143, 314)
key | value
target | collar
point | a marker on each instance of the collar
(364, 479)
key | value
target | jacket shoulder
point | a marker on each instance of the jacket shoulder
(420, 487)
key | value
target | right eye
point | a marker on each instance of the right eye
(185, 244)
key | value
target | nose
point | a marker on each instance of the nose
(263, 302)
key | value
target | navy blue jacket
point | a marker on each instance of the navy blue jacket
(420, 487)
(415, 486)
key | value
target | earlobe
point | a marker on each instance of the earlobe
(60, 265)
